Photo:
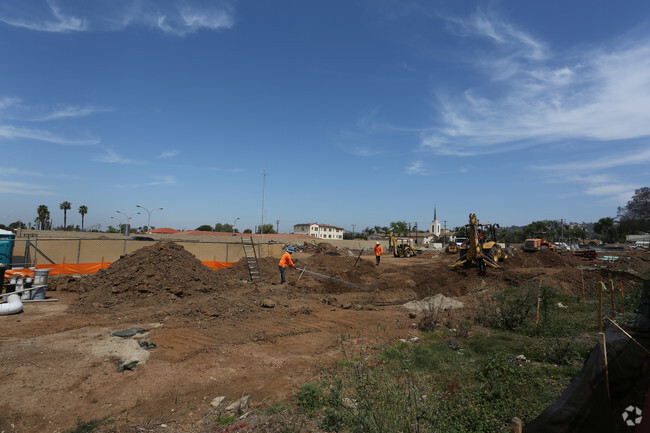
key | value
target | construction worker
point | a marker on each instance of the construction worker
(378, 251)
(284, 262)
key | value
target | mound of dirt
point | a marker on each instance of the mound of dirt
(542, 259)
(163, 278)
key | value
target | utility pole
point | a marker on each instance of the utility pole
(444, 235)
(263, 189)
(277, 226)
(353, 230)
(562, 230)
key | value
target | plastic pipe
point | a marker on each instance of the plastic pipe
(12, 306)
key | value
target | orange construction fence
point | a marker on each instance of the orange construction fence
(88, 268)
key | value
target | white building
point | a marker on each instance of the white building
(320, 231)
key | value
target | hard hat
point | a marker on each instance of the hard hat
(377, 243)
(290, 249)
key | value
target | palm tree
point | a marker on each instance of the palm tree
(83, 210)
(43, 215)
(65, 206)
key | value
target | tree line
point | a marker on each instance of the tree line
(633, 218)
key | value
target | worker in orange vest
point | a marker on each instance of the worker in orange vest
(378, 251)
(284, 262)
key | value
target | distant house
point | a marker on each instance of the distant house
(320, 231)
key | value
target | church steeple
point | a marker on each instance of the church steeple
(435, 224)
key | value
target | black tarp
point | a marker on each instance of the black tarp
(584, 406)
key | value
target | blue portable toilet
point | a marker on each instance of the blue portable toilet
(6, 247)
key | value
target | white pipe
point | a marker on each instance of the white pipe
(12, 306)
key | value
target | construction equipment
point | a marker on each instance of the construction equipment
(489, 244)
(402, 247)
(472, 252)
(451, 248)
(538, 242)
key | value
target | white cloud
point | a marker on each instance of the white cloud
(112, 157)
(534, 96)
(69, 112)
(168, 154)
(618, 193)
(158, 181)
(7, 187)
(174, 17)
(11, 132)
(8, 102)
(7, 171)
(45, 18)
(416, 168)
(635, 158)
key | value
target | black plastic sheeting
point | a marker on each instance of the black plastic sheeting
(585, 406)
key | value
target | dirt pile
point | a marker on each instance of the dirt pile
(542, 259)
(162, 278)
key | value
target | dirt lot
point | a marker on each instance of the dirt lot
(217, 334)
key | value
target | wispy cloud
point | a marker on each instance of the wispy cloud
(47, 17)
(12, 132)
(634, 158)
(69, 112)
(112, 157)
(168, 154)
(596, 182)
(158, 181)
(173, 17)
(416, 168)
(371, 136)
(534, 96)
(9, 187)
(7, 171)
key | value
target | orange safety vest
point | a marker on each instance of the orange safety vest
(286, 260)
(378, 250)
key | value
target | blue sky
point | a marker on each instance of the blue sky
(360, 112)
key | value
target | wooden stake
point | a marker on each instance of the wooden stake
(600, 307)
(603, 354)
(537, 318)
(622, 297)
(582, 276)
(515, 425)
(611, 295)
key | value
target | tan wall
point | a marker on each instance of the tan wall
(89, 250)
(86, 247)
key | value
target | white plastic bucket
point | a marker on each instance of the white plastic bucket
(40, 276)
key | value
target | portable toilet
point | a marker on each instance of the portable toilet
(6, 247)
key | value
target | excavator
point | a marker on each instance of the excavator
(473, 252)
(538, 242)
(451, 248)
(402, 247)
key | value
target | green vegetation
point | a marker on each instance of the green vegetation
(89, 426)
(510, 360)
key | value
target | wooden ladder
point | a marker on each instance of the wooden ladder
(251, 258)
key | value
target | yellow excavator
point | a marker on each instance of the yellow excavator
(402, 247)
(473, 253)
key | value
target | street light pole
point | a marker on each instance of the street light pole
(233, 226)
(148, 214)
(127, 228)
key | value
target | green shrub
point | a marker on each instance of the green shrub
(508, 309)
(310, 397)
